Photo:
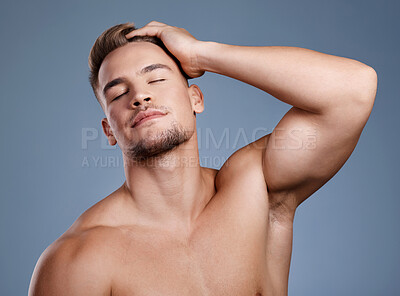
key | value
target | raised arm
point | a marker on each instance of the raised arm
(331, 96)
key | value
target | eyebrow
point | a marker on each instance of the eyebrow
(145, 70)
(153, 67)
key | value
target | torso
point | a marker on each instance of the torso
(238, 247)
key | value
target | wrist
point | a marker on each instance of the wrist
(204, 54)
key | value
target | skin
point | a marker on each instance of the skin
(176, 228)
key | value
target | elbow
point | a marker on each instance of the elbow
(359, 101)
(366, 90)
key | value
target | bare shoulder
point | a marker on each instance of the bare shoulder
(74, 264)
(244, 173)
(245, 162)
(80, 262)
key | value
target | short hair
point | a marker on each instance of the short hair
(112, 39)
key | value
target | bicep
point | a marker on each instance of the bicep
(306, 149)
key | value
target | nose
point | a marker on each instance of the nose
(137, 103)
(141, 98)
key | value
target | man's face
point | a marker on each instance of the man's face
(142, 75)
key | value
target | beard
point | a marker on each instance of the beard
(158, 145)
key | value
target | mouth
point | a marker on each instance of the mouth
(139, 122)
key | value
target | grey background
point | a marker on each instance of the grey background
(346, 236)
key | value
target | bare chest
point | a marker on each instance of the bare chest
(225, 255)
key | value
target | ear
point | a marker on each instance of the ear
(196, 97)
(108, 132)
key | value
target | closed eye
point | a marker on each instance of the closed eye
(119, 96)
(158, 80)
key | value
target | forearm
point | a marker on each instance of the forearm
(303, 78)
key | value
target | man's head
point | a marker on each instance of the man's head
(112, 39)
(130, 76)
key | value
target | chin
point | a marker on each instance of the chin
(157, 141)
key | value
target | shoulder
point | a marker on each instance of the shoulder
(242, 175)
(80, 261)
(75, 264)
(244, 163)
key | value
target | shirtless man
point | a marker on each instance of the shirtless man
(174, 227)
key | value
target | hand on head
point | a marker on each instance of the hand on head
(178, 41)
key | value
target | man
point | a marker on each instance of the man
(174, 227)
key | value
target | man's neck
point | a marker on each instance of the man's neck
(171, 190)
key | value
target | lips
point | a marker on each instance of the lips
(149, 114)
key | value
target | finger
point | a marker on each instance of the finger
(155, 23)
(139, 32)
(145, 31)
